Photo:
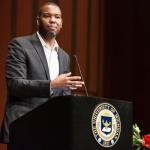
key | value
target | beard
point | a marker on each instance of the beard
(46, 33)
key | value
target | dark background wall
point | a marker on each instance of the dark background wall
(110, 38)
(127, 51)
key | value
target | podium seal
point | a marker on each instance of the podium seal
(106, 125)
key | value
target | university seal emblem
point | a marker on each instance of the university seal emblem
(106, 125)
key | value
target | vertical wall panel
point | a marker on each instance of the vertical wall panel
(24, 17)
(93, 48)
(101, 49)
(64, 37)
(81, 34)
(3, 147)
(4, 38)
(5, 30)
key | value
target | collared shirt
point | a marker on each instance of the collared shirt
(51, 54)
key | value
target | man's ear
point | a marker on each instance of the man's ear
(61, 23)
(37, 21)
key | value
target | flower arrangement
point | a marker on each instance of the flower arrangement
(140, 142)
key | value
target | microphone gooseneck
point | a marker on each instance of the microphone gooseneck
(76, 59)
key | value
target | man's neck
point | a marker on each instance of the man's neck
(48, 40)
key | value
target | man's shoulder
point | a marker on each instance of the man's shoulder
(24, 38)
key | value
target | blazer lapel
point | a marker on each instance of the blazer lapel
(39, 49)
(60, 58)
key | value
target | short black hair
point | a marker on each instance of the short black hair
(47, 3)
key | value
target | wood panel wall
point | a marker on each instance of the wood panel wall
(127, 52)
(82, 34)
(5, 30)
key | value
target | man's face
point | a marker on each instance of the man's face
(50, 20)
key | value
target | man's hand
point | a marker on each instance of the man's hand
(66, 80)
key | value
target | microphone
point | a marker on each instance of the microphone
(76, 59)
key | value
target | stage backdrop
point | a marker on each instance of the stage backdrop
(110, 38)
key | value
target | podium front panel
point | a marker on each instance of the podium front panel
(66, 123)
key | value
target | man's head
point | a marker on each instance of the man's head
(49, 20)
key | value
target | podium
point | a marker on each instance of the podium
(67, 123)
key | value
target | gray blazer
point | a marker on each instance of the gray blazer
(28, 79)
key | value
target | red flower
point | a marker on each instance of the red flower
(146, 141)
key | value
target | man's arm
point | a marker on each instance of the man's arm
(19, 82)
(17, 75)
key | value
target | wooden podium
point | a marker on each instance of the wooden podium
(65, 123)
